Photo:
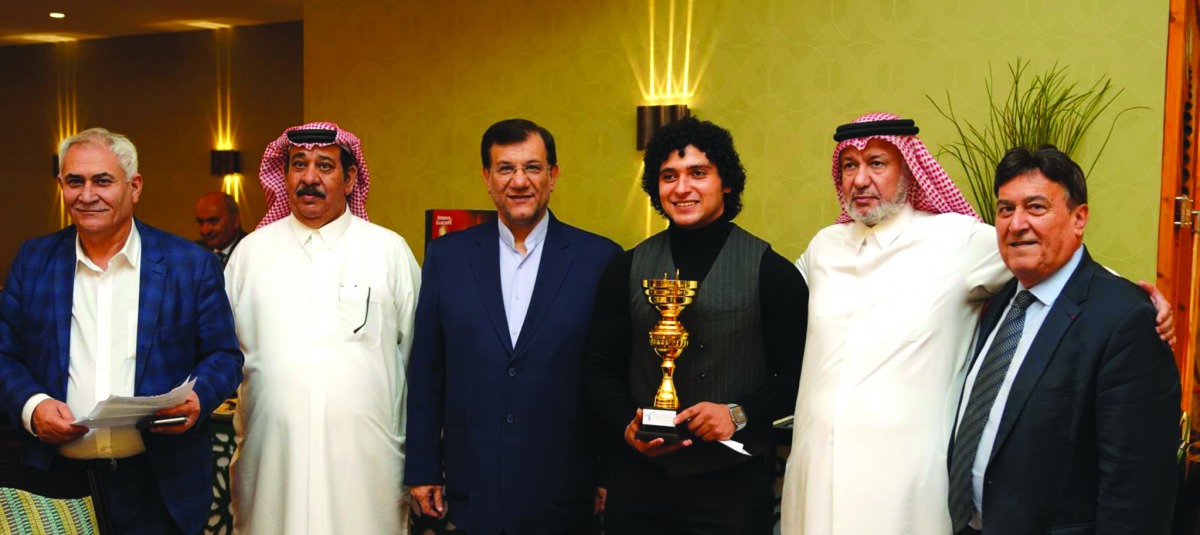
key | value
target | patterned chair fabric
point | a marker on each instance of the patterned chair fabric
(35, 502)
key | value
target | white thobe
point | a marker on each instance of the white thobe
(891, 313)
(325, 319)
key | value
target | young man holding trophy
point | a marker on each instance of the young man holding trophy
(692, 352)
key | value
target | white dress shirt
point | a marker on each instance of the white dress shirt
(519, 273)
(104, 320)
(1045, 292)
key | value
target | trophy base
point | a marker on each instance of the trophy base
(660, 423)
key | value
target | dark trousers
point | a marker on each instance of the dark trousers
(737, 500)
(135, 506)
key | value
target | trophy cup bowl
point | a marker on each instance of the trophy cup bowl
(668, 338)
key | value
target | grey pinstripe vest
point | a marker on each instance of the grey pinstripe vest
(724, 359)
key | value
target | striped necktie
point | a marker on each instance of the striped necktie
(983, 395)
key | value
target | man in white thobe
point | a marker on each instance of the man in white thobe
(895, 292)
(323, 302)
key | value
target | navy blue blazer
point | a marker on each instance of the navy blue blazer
(1087, 440)
(518, 449)
(185, 327)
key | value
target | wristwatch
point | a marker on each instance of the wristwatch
(739, 416)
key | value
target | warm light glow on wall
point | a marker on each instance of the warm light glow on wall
(66, 102)
(45, 38)
(231, 184)
(668, 83)
(67, 121)
(223, 133)
(205, 24)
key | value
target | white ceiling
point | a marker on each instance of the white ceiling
(29, 22)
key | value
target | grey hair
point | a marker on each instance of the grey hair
(117, 144)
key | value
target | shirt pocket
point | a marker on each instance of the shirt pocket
(360, 311)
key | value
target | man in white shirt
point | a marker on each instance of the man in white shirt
(112, 306)
(895, 291)
(323, 301)
(1069, 417)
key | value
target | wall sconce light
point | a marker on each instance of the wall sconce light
(225, 162)
(651, 118)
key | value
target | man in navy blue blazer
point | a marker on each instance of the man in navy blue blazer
(495, 380)
(1068, 421)
(112, 306)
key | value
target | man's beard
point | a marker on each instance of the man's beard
(885, 209)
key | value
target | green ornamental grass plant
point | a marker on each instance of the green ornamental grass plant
(1049, 109)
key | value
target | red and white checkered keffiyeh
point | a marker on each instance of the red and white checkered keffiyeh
(931, 191)
(271, 172)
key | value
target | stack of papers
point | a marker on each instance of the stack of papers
(118, 411)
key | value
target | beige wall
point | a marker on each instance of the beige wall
(160, 90)
(419, 82)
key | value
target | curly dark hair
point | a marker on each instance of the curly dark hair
(715, 142)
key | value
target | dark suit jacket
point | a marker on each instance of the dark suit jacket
(185, 327)
(237, 239)
(1088, 437)
(519, 446)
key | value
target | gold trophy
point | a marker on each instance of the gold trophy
(668, 338)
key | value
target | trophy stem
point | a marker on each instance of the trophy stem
(668, 338)
(665, 398)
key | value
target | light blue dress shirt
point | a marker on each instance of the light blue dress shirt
(519, 273)
(1046, 293)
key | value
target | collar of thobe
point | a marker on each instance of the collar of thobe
(535, 237)
(327, 235)
(1048, 290)
(886, 231)
(131, 251)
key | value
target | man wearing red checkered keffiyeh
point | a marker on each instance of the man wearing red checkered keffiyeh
(895, 287)
(272, 172)
(324, 303)
(929, 188)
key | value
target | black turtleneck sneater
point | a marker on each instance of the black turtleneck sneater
(784, 300)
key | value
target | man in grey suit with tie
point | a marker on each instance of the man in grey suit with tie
(1068, 419)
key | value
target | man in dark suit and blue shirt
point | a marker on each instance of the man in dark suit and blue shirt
(495, 380)
(1068, 420)
(112, 306)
